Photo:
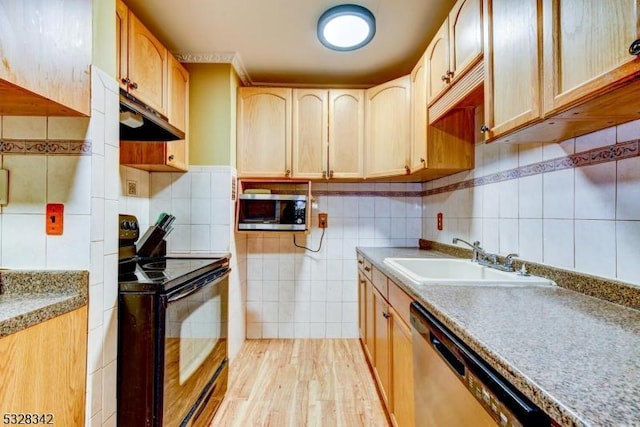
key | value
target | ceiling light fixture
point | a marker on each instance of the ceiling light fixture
(346, 27)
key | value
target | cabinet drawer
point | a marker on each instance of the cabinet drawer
(380, 282)
(400, 301)
(367, 269)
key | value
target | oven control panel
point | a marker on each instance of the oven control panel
(128, 229)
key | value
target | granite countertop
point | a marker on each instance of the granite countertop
(31, 297)
(575, 356)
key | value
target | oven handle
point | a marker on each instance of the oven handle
(183, 293)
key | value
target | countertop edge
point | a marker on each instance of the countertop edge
(23, 321)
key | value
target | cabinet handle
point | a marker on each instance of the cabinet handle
(386, 315)
(449, 74)
(330, 174)
(324, 174)
(445, 79)
(126, 81)
(171, 157)
(634, 49)
(367, 268)
(360, 262)
(287, 173)
(407, 170)
(484, 129)
(133, 85)
(422, 160)
(362, 281)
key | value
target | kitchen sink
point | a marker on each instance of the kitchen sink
(460, 272)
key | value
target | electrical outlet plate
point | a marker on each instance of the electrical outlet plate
(323, 220)
(55, 219)
(132, 188)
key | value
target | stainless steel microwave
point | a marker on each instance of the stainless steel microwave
(272, 212)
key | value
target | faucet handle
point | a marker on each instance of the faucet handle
(508, 260)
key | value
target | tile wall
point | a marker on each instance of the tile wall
(574, 205)
(292, 292)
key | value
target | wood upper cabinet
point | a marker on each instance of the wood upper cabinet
(388, 135)
(586, 48)
(264, 132)
(418, 116)
(44, 369)
(170, 155)
(46, 58)
(402, 408)
(328, 133)
(346, 133)
(512, 63)
(456, 47)
(143, 62)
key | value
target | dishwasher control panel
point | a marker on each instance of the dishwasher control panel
(490, 402)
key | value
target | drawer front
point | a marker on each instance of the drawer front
(380, 282)
(367, 269)
(400, 301)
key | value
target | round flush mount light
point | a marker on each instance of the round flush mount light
(346, 27)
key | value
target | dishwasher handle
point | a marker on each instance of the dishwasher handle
(447, 355)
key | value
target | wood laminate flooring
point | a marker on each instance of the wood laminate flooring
(294, 383)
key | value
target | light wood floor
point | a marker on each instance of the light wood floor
(294, 383)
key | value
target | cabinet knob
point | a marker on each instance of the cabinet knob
(422, 160)
(125, 81)
(331, 174)
(133, 85)
(171, 157)
(407, 170)
(386, 314)
(449, 74)
(324, 174)
(287, 173)
(360, 262)
(484, 129)
(367, 268)
(446, 79)
(634, 49)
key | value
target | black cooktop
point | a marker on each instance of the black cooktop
(162, 274)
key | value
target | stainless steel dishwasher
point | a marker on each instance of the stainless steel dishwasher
(455, 387)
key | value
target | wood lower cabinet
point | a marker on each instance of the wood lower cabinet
(586, 48)
(512, 84)
(264, 132)
(44, 370)
(46, 58)
(387, 341)
(388, 128)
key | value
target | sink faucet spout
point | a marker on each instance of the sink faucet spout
(477, 250)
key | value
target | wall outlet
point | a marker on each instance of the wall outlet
(323, 220)
(55, 219)
(132, 188)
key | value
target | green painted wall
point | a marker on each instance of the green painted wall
(104, 36)
(212, 114)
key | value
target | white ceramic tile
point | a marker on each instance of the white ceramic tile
(110, 335)
(382, 207)
(627, 238)
(490, 234)
(109, 390)
(97, 176)
(509, 198)
(318, 291)
(254, 313)
(491, 202)
(595, 191)
(200, 211)
(110, 292)
(96, 272)
(97, 92)
(181, 185)
(160, 185)
(301, 330)
(598, 139)
(111, 421)
(269, 312)
(23, 234)
(350, 330)
(73, 128)
(382, 228)
(180, 239)
(111, 173)
(69, 182)
(270, 269)
(508, 156)
(200, 238)
(628, 189)
(94, 401)
(270, 330)
(95, 306)
(285, 312)
(181, 209)
(94, 350)
(317, 330)
(254, 269)
(530, 196)
(220, 237)
(221, 185)
(491, 159)
(333, 330)
(200, 185)
(414, 207)
(334, 312)
(97, 219)
(529, 153)
(530, 239)
(111, 227)
(97, 132)
(70, 251)
(477, 201)
(334, 291)
(558, 246)
(286, 330)
(555, 150)
(478, 170)
(366, 207)
(254, 290)
(595, 247)
(628, 131)
(508, 236)
(27, 183)
(558, 194)
(254, 331)
(351, 206)
(111, 120)
(302, 291)
(413, 227)
(24, 127)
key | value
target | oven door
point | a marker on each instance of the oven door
(195, 347)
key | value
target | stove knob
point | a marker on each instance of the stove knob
(134, 225)
(124, 225)
(299, 220)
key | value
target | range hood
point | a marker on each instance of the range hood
(138, 122)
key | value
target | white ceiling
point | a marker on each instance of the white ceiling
(275, 40)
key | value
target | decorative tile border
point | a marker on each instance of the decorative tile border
(46, 147)
(610, 153)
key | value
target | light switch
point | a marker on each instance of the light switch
(55, 219)
(4, 186)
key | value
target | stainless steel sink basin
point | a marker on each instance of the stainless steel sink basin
(461, 272)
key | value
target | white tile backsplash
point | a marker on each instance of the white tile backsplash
(595, 247)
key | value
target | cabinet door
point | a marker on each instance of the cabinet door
(402, 411)
(309, 134)
(437, 63)
(419, 116)
(465, 36)
(264, 132)
(382, 345)
(44, 369)
(586, 48)
(122, 44)
(369, 338)
(362, 306)
(178, 113)
(346, 133)
(147, 66)
(512, 89)
(387, 124)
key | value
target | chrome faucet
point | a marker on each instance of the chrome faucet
(477, 250)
